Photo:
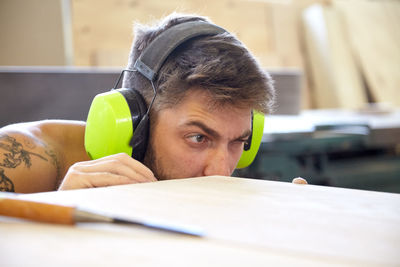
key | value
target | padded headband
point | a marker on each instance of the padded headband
(153, 57)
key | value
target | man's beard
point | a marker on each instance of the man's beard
(153, 163)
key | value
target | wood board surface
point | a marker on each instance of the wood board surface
(247, 222)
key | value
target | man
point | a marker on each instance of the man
(199, 121)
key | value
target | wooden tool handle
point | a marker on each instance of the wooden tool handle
(36, 211)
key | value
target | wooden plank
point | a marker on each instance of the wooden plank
(346, 75)
(336, 82)
(316, 44)
(373, 28)
(247, 222)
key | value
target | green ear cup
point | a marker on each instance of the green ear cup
(108, 126)
(257, 132)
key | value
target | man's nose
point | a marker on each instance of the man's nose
(218, 163)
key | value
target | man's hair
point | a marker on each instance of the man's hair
(219, 64)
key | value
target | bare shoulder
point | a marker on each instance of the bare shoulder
(35, 156)
(61, 134)
(67, 138)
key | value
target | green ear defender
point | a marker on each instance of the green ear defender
(113, 118)
(251, 147)
(118, 120)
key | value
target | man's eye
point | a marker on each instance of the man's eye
(242, 141)
(198, 138)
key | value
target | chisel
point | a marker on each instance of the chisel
(69, 215)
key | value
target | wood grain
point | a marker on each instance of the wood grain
(247, 222)
(336, 79)
(374, 36)
(270, 29)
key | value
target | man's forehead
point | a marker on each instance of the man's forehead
(198, 108)
(223, 119)
(209, 102)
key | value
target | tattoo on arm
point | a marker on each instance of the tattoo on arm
(15, 155)
(55, 162)
(6, 185)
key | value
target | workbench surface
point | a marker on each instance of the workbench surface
(246, 222)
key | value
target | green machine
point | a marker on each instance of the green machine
(333, 148)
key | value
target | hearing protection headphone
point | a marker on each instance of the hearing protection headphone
(118, 120)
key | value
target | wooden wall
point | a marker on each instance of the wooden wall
(32, 33)
(347, 50)
(103, 30)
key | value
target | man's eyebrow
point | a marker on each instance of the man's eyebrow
(214, 133)
(245, 135)
(204, 127)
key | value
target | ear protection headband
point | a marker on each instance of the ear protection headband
(118, 120)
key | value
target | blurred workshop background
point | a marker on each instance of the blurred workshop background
(336, 64)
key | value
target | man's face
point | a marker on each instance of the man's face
(192, 139)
